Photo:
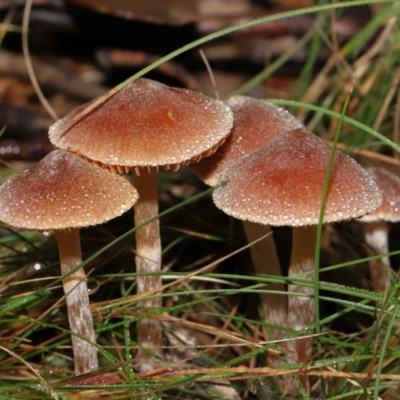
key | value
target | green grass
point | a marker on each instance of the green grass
(211, 313)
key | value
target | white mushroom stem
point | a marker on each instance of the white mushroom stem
(301, 303)
(265, 259)
(376, 235)
(77, 299)
(148, 260)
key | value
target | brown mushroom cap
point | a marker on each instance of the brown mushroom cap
(282, 183)
(389, 185)
(64, 191)
(146, 124)
(255, 124)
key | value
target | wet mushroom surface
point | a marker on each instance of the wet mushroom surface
(144, 126)
(281, 185)
(62, 194)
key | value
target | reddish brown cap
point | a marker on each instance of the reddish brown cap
(146, 124)
(64, 191)
(255, 124)
(282, 183)
(389, 185)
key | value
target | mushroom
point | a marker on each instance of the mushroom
(376, 224)
(62, 194)
(282, 184)
(255, 124)
(144, 126)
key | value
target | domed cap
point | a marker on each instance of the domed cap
(64, 191)
(255, 124)
(389, 185)
(282, 184)
(146, 124)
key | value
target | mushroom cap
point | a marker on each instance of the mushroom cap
(64, 191)
(389, 185)
(146, 124)
(282, 184)
(255, 124)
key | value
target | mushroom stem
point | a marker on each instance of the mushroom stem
(301, 303)
(148, 260)
(376, 235)
(265, 259)
(77, 299)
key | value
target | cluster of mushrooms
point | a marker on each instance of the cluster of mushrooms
(147, 125)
